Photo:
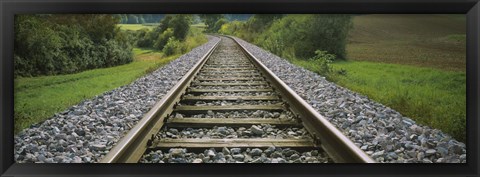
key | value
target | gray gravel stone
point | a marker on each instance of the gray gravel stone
(256, 152)
(256, 130)
(256, 155)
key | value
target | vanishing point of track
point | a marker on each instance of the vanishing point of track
(228, 80)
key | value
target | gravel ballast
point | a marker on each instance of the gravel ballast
(85, 132)
(381, 132)
(236, 155)
(254, 131)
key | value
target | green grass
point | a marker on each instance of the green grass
(135, 27)
(38, 98)
(432, 97)
(199, 25)
(429, 40)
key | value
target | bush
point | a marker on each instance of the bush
(322, 61)
(64, 44)
(163, 39)
(144, 38)
(210, 20)
(303, 34)
(294, 36)
(177, 26)
(172, 47)
(219, 24)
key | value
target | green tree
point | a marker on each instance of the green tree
(132, 19)
(301, 35)
(62, 44)
(181, 25)
(219, 24)
(210, 20)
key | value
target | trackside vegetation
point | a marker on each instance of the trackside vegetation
(66, 44)
(40, 97)
(414, 64)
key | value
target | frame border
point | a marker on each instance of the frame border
(11, 7)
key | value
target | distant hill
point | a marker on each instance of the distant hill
(428, 40)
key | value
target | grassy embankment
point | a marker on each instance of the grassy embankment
(414, 64)
(38, 98)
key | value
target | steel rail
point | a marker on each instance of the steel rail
(335, 143)
(131, 147)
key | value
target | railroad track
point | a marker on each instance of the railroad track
(234, 98)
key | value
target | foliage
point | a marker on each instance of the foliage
(173, 46)
(294, 36)
(210, 20)
(237, 17)
(231, 28)
(62, 44)
(139, 18)
(180, 25)
(163, 38)
(171, 35)
(300, 35)
(144, 38)
(219, 24)
(322, 61)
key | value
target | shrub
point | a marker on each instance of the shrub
(144, 38)
(294, 36)
(64, 44)
(305, 34)
(219, 24)
(172, 47)
(210, 20)
(163, 39)
(177, 26)
(322, 61)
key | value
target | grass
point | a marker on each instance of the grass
(135, 27)
(38, 98)
(430, 96)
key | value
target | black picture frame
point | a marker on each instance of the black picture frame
(9, 8)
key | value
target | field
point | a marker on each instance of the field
(412, 63)
(435, 41)
(38, 98)
(135, 27)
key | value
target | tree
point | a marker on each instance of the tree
(132, 19)
(181, 25)
(302, 35)
(63, 44)
(219, 24)
(210, 20)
